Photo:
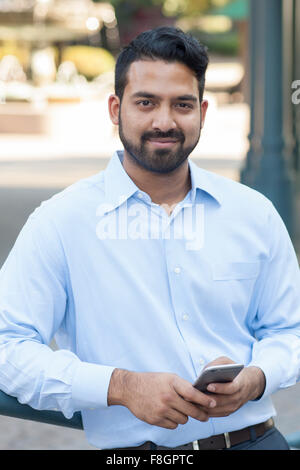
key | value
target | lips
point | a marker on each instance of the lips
(159, 142)
(163, 140)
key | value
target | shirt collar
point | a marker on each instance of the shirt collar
(119, 186)
(204, 181)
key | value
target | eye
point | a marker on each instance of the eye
(145, 103)
(184, 105)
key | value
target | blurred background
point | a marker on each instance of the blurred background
(56, 72)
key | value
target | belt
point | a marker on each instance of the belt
(218, 442)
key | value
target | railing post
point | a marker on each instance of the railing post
(267, 169)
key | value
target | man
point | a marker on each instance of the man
(149, 271)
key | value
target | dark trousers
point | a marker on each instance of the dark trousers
(271, 440)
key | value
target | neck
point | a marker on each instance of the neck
(164, 189)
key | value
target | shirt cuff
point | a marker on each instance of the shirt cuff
(90, 385)
(272, 376)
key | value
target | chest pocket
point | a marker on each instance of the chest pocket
(231, 271)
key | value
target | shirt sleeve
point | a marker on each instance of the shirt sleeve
(277, 321)
(33, 303)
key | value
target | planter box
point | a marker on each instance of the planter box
(22, 118)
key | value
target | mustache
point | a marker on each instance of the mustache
(172, 133)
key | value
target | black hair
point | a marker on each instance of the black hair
(163, 43)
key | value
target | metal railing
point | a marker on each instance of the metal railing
(9, 406)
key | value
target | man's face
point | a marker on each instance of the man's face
(160, 116)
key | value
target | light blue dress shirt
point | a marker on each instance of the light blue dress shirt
(122, 284)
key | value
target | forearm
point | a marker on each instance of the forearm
(51, 380)
(278, 356)
(28, 369)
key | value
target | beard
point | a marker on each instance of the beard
(162, 160)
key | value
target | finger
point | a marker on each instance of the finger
(198, 413)
(167, 423)
(191, 394)
(224, 410)
(185, 398)
(194, 411)
(177, 417)
(227, 388)
(226, 404)
(220, 413)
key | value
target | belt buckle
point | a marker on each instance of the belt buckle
(227, 440)
(195, 445)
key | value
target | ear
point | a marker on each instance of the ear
(114, 108)
(204, 106)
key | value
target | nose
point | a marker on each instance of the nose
(163, 119)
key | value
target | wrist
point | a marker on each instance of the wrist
(260, 383)
(118, 387)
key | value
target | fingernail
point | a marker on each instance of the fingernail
(212, 404)
(211, 388)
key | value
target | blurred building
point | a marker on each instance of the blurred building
(53, 21)
(30, 26)
(52, 51)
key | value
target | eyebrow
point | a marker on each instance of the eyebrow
(187, 98)
(146, 94)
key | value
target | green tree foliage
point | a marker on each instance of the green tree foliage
(172, 7)
(128, 11)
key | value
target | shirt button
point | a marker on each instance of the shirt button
(201, 362)
(185, 316)
(177, 270)
(140, 195)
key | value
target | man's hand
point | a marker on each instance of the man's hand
(160, 399)
(249, 384)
